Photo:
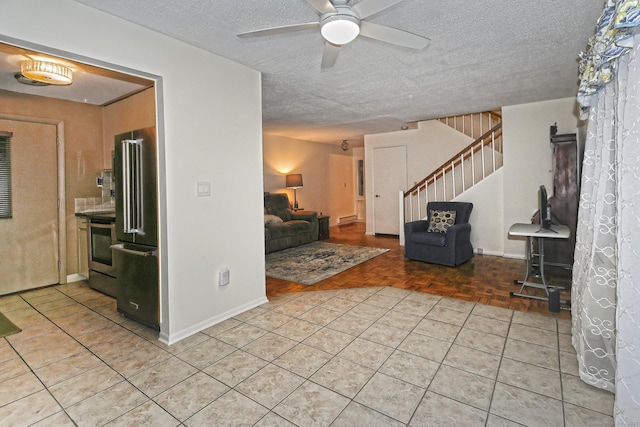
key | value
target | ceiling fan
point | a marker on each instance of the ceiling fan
(340, 24)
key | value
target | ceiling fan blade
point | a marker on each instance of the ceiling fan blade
(279, 30)
(393, 35)
(322, 6)
(329, 55)
(367, 8)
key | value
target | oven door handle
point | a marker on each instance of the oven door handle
(120, 247)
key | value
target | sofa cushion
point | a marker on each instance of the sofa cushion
(285, 214)
(440, 221)
(278, 204)
(287, 228)
(427, 238)
(271, 219)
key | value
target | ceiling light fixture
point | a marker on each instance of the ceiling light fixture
(47, 72)
(27, 81)
(340, 27)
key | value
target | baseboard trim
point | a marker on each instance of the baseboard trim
(173, 338)
(515, 256)
(492, 253)
(75, 278)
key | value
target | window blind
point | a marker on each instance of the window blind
(5, 175)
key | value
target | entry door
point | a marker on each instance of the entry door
(29, 240)
(389, 178)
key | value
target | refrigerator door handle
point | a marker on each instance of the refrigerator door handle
(132, 186)
(120, 247)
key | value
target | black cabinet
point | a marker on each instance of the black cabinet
(564, 202)
(323, 227)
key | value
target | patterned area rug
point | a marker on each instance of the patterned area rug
(316, 261)
(7, 327)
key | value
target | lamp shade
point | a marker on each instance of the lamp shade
(294, 180)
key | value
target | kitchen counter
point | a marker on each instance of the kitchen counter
(103, 215)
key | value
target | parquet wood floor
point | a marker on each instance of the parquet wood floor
(485, 279)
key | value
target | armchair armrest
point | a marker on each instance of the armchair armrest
(458, 233)
(414, 226)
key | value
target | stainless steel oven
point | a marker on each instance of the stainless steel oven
(102, 272)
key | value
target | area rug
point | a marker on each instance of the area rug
(7, 327)
(316, 261)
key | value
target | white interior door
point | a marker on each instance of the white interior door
(389, 178)
(29, 240)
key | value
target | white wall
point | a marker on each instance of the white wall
(528, 159)
(327, 174)
(209, 130)
(504, 198)
(428, 146)
(487, 215)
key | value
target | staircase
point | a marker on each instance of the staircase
(462, 171)
(473, 125)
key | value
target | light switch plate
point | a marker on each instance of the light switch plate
(203, 188)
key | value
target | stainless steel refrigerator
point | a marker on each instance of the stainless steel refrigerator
(135, 256)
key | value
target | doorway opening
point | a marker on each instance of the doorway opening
(91, 73)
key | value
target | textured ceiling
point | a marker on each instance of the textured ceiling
(483, 55)
(90, 85)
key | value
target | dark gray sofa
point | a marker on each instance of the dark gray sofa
(451, 248)
(296, 227)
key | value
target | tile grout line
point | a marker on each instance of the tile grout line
(495, 384)
(124, 379)
(334, 356)
(32, 371)
(306, 379)
(413, 414)
(564, 414)
(309, 380)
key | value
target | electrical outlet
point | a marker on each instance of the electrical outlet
(223, 277)
(480, 251)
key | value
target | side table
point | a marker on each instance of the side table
(323, 227)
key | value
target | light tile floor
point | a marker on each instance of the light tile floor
(354, 357)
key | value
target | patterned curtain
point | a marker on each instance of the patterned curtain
(606, 281)
(627, 405)
(613, 38)
(593, 291)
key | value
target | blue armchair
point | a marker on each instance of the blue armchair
(452, 247)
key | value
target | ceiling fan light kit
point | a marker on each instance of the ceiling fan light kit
(341, 27)
(47, 72)
(341, 23)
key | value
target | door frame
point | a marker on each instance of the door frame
(161, 165)
(62, 211)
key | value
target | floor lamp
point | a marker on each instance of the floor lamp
(294, 181)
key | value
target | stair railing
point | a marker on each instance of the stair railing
(474, 124)
(456, 175)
